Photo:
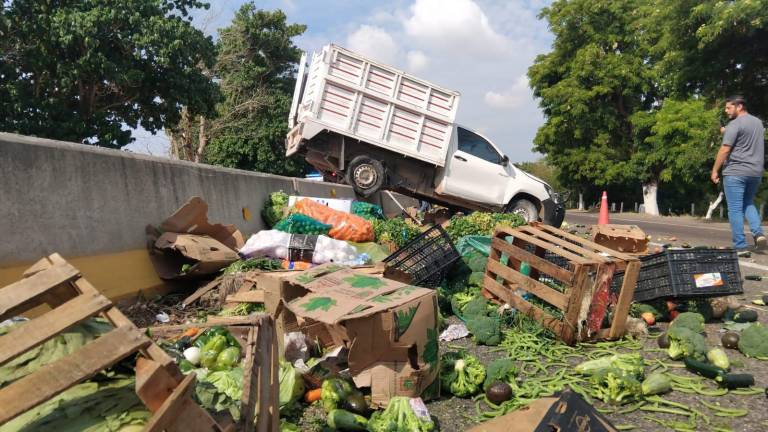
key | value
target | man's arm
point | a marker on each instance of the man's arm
(722, 155)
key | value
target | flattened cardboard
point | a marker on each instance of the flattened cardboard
(192, 218)
(205, 255)
(569, 412)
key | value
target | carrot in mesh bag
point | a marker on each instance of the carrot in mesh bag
(345, 226)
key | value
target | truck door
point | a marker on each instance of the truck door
(476, 171)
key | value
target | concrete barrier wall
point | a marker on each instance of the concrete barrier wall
(83, 201)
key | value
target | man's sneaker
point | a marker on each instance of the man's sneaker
(743, 253)
(760, 241)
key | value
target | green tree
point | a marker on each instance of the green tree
(590, 85)
(256, 65)
(675, 143)
(712, 48)
(82, 70)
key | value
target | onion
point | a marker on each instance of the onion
(192, 354)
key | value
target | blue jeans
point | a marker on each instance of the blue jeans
(739, 193)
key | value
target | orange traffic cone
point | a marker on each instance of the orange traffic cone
(603, 219)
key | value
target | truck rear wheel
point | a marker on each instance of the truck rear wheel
(526, 209)
(366, 175)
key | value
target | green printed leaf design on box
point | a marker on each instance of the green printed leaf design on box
(315, 303)
(383, 298)
(359, 308)
(363, 281)
(404, 318)
(305, 278)
(431, 349)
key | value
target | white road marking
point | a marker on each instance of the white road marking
(753, 265)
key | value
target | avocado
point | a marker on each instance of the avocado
(499, 392)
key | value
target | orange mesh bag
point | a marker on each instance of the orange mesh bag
(346, 226)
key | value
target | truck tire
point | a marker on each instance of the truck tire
(366, 175)
(524, 208)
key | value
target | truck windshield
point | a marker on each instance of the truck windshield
(474, 144)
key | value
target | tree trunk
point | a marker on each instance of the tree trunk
(649, 197)
(581, 201)
(202, 141)
(713, 205)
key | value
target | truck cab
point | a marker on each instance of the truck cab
(477, 170)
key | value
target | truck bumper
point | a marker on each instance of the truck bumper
(554, 212)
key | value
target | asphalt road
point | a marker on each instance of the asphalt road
(685, 229)
(677, 231)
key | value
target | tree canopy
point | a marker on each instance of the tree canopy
(632, 90)
(87, 71)
(256, 65)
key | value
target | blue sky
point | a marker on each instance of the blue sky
(481, 48)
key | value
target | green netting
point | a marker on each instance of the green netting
(367, 210)
(298, 223)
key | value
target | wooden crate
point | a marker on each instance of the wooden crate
(256, 335)
(72, 299)
(585, 274)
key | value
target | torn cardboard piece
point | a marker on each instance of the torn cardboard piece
(390, 328)
(183, 256)
(187, 246)
(569, 412)
(192, 218)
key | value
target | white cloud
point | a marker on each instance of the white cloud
(456, 26)
(417, 61)
(512, 97)
(373, 42)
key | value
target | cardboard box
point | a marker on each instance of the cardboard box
(187, 246)
(184, 256)
(390, 328)
(569, 412)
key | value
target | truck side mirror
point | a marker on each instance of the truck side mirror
(504, 160)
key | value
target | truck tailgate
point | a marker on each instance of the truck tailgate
(357, 97)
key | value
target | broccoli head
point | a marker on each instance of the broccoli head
(502, 369)
(615, 387)
(486, 330)
(399, 416)
(690, 320)
(685, 343)
(462, 373)
(754, 341)
(476, 307)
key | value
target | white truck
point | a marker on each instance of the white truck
(376, 127)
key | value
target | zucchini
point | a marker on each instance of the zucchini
(734, 381)
(745, 316)
(345, 420)
(704, 369)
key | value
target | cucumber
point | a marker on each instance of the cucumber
(704, 369)
(745, 316)
(345, 420)
(733, 381)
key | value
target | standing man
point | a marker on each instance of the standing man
(742, 158)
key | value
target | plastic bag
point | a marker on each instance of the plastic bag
(367, 210)
(345, 226)
(299, 247)
(298, 223)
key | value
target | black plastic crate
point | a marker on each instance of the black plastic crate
(673, 273)
(427, 258)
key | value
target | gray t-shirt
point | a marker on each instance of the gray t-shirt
(745, 134)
